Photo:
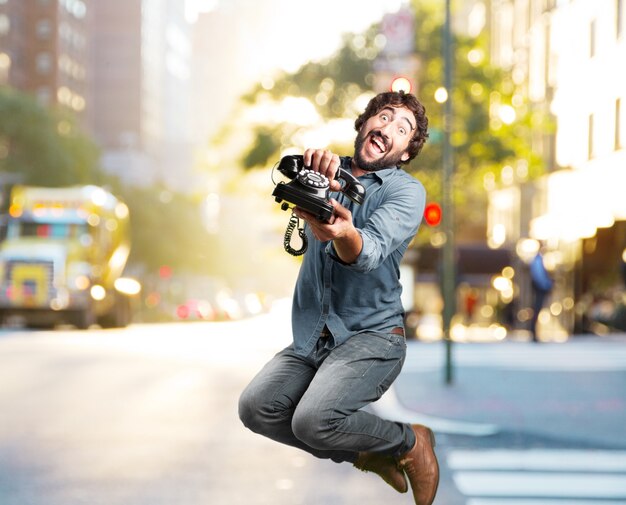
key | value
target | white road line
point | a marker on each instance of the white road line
(557, 485)
(390, 407)
(539, 460)
(537, 501)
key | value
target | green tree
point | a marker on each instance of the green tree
(167, 229)
(484, 142)
(333, 85)
(47, 148)
(44, 146)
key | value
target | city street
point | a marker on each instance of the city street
(164, 166)
(148, 415)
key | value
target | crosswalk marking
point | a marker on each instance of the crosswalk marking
(540, 459)
(531, 477)
(547, 485)
(540, 501)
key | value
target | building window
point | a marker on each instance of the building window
(44, 29)
(590, 147)
(618, 124)
(592, 39)
(5, 24)
(5, 67)
(547, 58)
(77, 8)
(43, 63)
(549, 5)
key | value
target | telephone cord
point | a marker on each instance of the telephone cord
(294, 222)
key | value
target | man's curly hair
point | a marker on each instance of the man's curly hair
(399, 99)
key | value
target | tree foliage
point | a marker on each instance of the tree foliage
(484, 143)
(166, 229)
(45, 147)
(264, 147)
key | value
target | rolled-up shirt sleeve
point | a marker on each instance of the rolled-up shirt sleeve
(396, 218)
(366, 295)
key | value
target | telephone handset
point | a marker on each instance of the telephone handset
(309, 190)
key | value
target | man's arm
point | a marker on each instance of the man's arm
(346, 239)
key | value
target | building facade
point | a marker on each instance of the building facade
(45, 50)
(122, 66)
(141, 82)
(565, 59)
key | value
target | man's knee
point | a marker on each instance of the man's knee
(260, 407)
(312, 428)
(254, 411)
(251, 411)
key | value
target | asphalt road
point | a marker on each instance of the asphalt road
(147, 416)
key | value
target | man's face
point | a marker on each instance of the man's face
(384, 138)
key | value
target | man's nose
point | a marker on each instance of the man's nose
(385, 130)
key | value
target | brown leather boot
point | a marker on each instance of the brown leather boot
(385, 466)
(421, 466)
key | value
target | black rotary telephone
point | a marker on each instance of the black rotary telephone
(310, 190)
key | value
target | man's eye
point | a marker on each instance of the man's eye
(384, 117)
(402, 131)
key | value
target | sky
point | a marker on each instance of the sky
(249, 40)
(296, 31)
(245, 41)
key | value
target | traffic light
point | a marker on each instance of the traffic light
(401, 83)
(432, 214)
(165, 271)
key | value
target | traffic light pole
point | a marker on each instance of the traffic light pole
(448, 270)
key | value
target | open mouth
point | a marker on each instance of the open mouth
(378, 142)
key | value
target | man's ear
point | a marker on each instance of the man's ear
(405, 156)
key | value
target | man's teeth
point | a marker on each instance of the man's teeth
(379, 144)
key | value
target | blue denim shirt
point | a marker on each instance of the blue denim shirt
(365, 295)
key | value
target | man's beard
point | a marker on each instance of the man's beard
(388, 160)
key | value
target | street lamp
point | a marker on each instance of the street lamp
(401, 83)
(441, 95)
(448, 276)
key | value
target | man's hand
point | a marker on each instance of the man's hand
(340, 229)
(324, 162)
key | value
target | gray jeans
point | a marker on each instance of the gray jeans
(314, 402)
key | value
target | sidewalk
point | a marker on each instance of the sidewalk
(574, 392)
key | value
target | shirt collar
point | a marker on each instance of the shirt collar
(383, 173)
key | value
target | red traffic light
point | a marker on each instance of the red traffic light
(165, 271)
(432, 214)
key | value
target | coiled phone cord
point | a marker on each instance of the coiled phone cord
(294, 222)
